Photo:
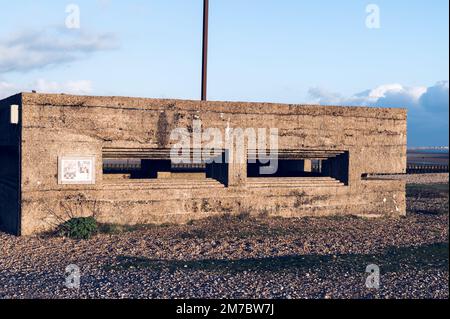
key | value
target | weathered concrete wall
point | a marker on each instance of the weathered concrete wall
(9, 168)
(140, 204)
(57, 125)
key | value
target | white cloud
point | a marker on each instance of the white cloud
(428, 107)
(36, 49)
(7, 89)
(381, 91)
(436, 97)
(80, 87)
(390, 95)
(69, 87)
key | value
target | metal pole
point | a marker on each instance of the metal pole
(205, 50)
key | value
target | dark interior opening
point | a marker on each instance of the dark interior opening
(286, 168)
(337, 167)
(162, 168)
(320, 164)
(9, 190)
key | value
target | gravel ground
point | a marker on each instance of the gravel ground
(243, 257)
(420, 178)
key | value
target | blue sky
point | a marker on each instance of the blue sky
(288, 51)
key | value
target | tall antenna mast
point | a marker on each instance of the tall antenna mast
(205, 50)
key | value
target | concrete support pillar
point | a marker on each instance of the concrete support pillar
(237, 168)
(307, 165)
(164, 175)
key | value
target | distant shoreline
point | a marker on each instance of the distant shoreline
(428, 157)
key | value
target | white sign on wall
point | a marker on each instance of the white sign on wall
(76, 170)
(14, 114)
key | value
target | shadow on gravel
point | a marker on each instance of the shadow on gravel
(433, 256)
(436, 195)
(427, 190)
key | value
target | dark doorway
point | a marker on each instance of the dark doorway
(9, 190)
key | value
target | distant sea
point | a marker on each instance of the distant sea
(429, 151)
(428, 157)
